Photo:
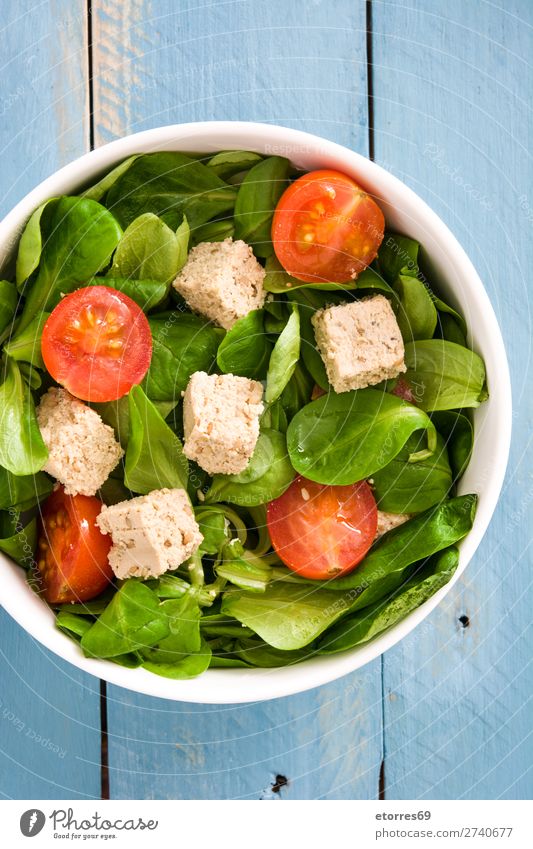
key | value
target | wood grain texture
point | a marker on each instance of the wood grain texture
(296, 64)
(49, 712)
(451, 86)
(49, 722)
(44, 92)
(326, 744)
(452, 115)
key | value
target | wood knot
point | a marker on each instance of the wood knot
(279, 782)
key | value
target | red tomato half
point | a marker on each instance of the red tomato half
(72, 553)
(326, 228)
(97, 343)
(322, 531)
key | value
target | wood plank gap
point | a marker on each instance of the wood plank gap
(369, 78)
(381, 780)
(104, 745)
(104, 740)
(90, 71)
(381, 789)
(370, 108)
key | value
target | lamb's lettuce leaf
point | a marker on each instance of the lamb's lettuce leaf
(154, 455)
(78, 239)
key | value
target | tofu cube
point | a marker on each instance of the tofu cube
(360, 343)
(388, 521)
(82, 450)
(151, 534)
(222, 281)
(221, 421)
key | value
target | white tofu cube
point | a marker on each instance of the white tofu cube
(151, 534)
(222, 281)
(360, 343)
(82, 450)
(388, 521)
(221, 421)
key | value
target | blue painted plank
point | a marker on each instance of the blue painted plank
(326, 744)
(44, 94)
(451, 88)
(49, 722)
(296, 64)
(49, 712)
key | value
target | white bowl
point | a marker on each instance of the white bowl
(456, 280)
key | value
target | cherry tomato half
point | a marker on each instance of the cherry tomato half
(322, 531)
(72, 553)
(97, 343)
(326, 228)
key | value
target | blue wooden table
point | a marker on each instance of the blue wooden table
(439, 92)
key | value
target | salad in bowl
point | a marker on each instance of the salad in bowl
(236, 412)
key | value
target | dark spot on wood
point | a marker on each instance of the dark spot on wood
(280, 781)
(464, 620)
(381, 784)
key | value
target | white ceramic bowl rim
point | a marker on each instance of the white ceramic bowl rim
(408, 213)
